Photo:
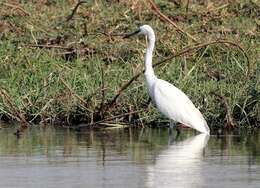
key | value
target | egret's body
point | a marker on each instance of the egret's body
(170, 100)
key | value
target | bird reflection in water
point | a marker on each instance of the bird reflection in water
(179, 165)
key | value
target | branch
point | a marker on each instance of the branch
(48, 46)
(109, 119)
(15, 111)
(231, 123)
(201, 45)
(16, 7)
(75, 10)
(72, 92)
(165, 18)
(100, 111)
(182, 52)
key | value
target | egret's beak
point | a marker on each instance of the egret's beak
(131, 34)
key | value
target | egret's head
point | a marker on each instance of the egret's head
(143, 30)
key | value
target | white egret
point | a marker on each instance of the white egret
(170, 100)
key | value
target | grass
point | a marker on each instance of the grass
(75, 79)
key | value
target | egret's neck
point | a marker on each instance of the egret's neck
(149, 55)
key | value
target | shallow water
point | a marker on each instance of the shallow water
(128, 158)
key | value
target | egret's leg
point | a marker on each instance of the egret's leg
(178, 131)
(171, 135)
(173, 125)
(170, 128)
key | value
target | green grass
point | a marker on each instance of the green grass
(61, 86)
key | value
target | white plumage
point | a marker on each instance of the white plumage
(169, 100)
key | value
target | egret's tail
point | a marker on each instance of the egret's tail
(203, 128)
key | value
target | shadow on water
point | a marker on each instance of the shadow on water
(120, 157)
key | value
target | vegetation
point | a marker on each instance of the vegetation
(67, 64)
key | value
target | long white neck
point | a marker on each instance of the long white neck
(149, 54)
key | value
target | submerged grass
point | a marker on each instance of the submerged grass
(67, 68)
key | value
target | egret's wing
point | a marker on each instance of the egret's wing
(173, 103)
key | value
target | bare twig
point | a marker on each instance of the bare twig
(202, 45)
(48, 46)
(42, 110)
(107, 34)
(165, 18)
(15, 111)
(16, 7)
(231, 123)
(103, 92)
(187, 6)
(182, 52)
(120, 91)
(75, 10)
(76, 95)
(109, 119)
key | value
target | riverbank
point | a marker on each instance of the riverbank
(67, 66)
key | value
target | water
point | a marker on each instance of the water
(52, 158)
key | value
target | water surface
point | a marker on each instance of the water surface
(49, 157)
